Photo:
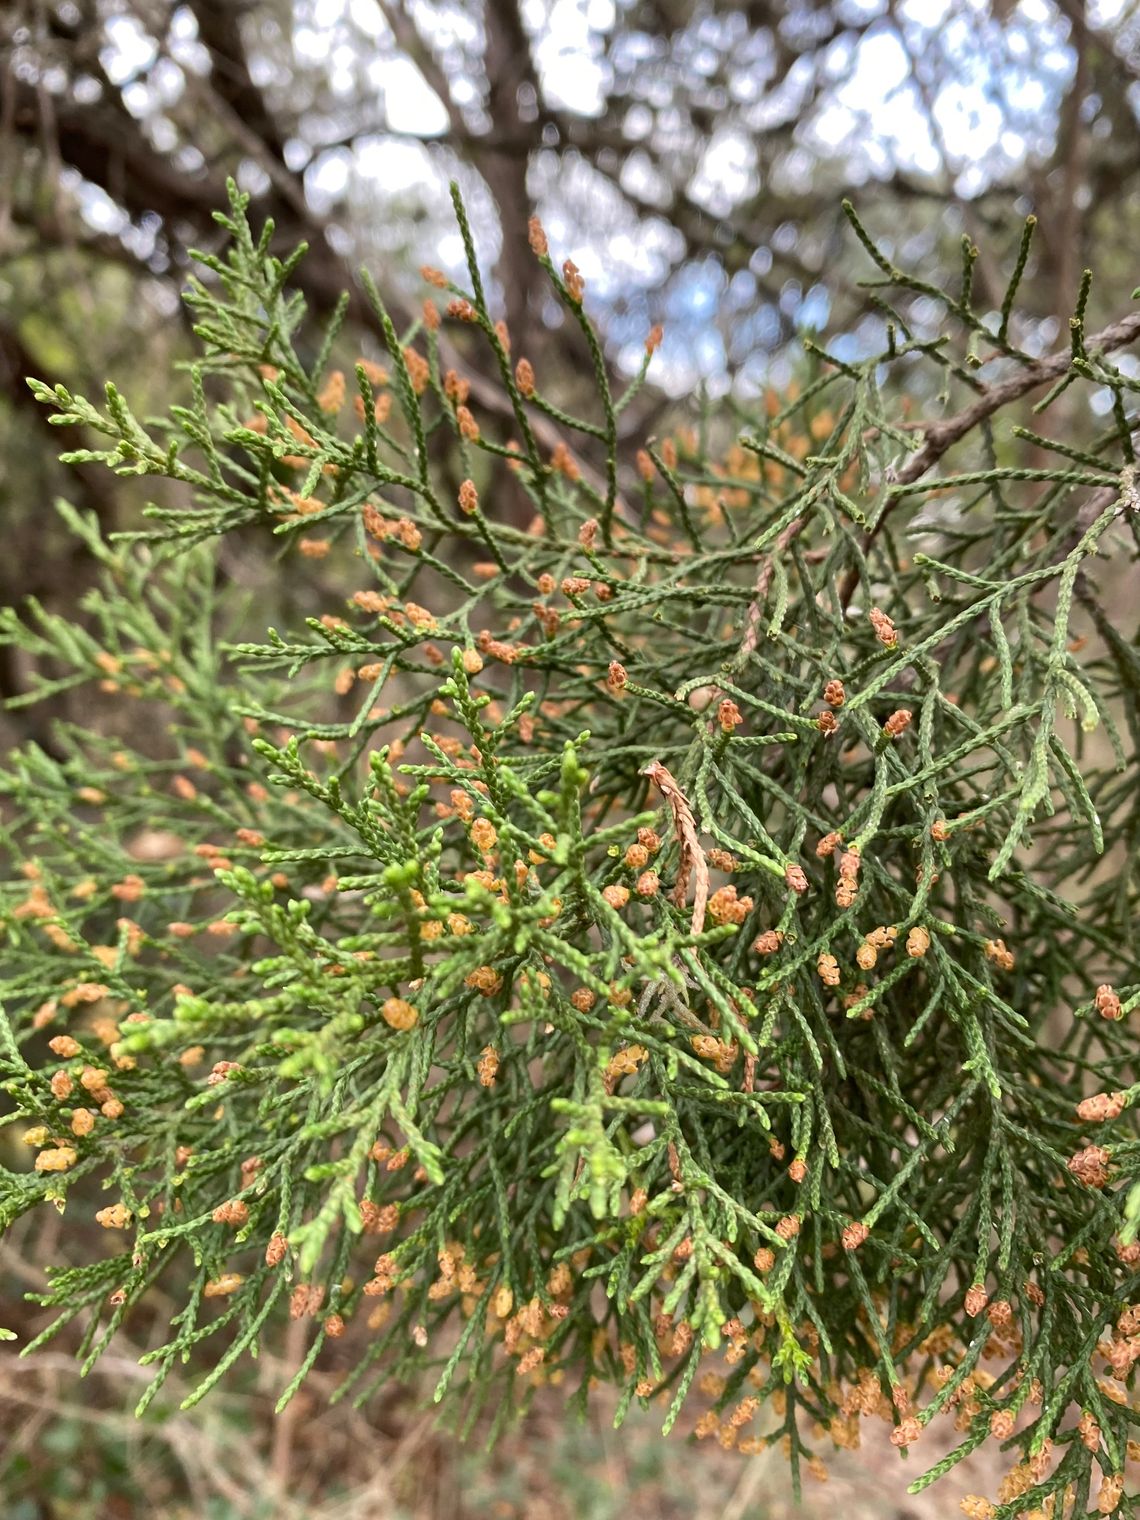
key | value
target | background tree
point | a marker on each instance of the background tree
(688, 157)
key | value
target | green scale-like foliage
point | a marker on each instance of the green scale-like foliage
(387, 972)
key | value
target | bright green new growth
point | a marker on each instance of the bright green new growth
(777, 1114)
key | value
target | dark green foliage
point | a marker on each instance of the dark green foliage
(792, 1103)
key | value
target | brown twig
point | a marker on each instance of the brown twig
(938, 437)
(693, 862)
(763, 581)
